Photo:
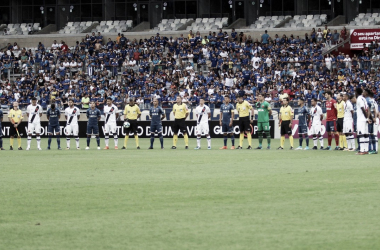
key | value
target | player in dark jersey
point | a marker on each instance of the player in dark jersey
(331, 111)
(1, 131)
(226, 122)
(303, 121)
(157, 114)
(93, 115)
(53, 115)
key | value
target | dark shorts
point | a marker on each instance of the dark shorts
(339, 125)
(133, 128)
(285, 129)
(55, 128)
(330, 126)
(302, 129)
(156, 128)
(12, 131)
(263, 126)
(226, 128)
(370, 128)
(179, 125)
(92, 129)
(244, 124)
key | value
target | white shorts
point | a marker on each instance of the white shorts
(34, 126)
(362, 128)
(315, 129)
(72, 129)
(348, 126)
(110, 128)
(202, 128)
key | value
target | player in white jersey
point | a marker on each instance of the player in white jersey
(362, 121)
(316, 116)
(72, 115)
(348, 123)
(203, 114)
(111, 114)
(34, 113)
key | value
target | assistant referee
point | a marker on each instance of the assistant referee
(131, 114)
(180, 112)
(243, 108)
(285, 122)
(15, 118)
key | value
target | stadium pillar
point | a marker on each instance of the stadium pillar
(300, 5)
(109, 10)
(251, 14)
(204, 8)
(351, 9)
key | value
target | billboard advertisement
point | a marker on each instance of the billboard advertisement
(360, 36)
(143, 129)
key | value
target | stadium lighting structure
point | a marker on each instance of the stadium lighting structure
(165, 4)
(42, 10)
(261, 3)
(135, 6)
(230, 3)
(71, 8)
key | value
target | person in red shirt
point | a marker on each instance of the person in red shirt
(64, 47)
(331, 111)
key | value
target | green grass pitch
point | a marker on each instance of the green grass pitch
(188, 199)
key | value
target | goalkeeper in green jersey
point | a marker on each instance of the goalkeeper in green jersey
(264, 112)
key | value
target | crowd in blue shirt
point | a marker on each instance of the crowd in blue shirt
(192, 66)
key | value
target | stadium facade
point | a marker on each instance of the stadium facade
(60, 12)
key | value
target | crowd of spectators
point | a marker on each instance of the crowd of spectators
(191, 66)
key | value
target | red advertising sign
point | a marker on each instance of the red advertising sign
(360, 36)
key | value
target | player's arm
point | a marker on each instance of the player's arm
(232, 117)
(291, 118)
(138, 113)
(40, 110)
(48, 115)
(187, 112)
(220, 117)
(279, 118)
(125, 113)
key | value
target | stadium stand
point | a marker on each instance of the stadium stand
(171, 24)
(265, 22)
(209, 23)
(22, 29)
(157, 66)
(114, 26)
(103, 26)
(366, 19)
(75, 27)
(306, 21)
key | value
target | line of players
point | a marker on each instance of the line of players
(340, 122)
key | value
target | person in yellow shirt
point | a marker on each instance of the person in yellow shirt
(180, 112)
(339, 124)
(285, 123)
(131, 114)
(243, 108)
(15, 118)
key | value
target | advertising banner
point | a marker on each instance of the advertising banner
(360, 36)
(143, 129)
